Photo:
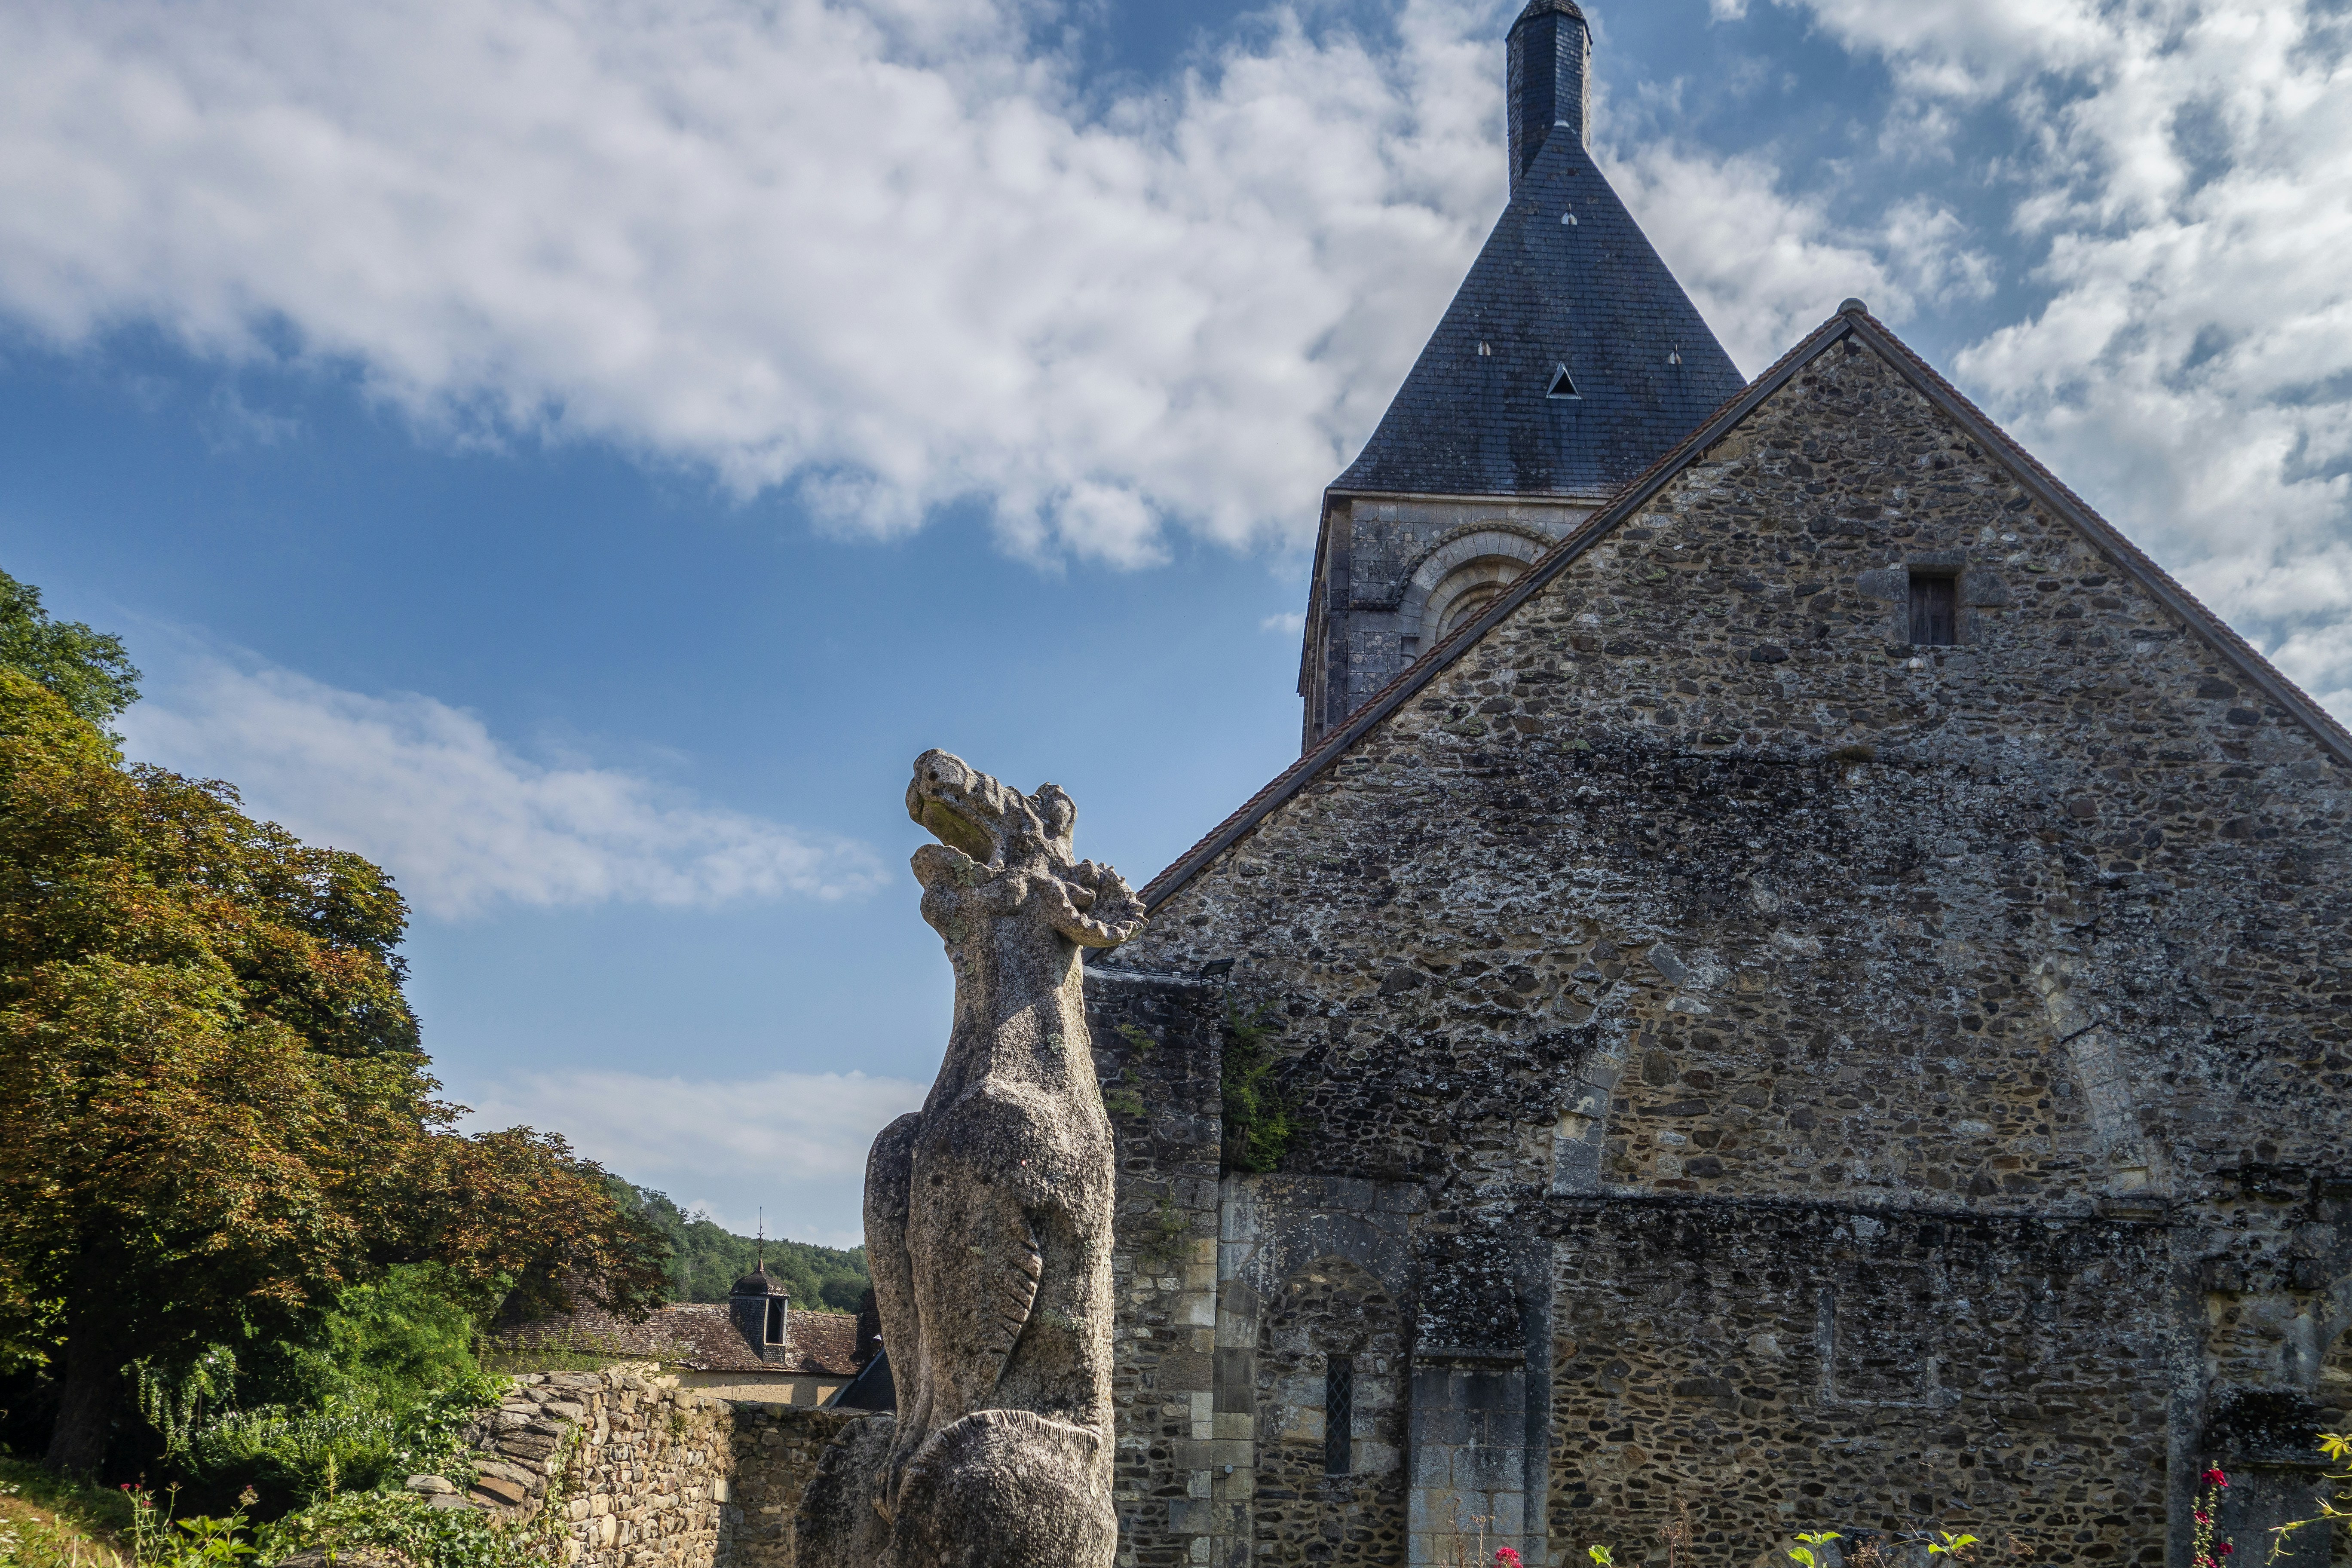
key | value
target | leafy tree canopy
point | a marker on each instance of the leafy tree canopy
(705, 1260)
(89, 669)
(213, 1115)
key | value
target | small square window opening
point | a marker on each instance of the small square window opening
(1935, 609)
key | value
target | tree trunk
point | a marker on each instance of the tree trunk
(93, 1374)
(93, 1384)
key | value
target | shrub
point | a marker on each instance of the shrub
(1259, 1123)
(351, 1442)
(402, 1521)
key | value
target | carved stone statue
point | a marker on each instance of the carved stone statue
(988, 1220)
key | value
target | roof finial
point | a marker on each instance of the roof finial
(759, 1261)
(1547, 80)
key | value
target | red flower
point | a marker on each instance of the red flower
(2216, 1478)
(1505, 1556)
(2226, 1549)
(2202, 1517)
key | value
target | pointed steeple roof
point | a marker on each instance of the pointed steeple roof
(1568, 287)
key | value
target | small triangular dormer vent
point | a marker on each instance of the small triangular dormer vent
(1562, 384)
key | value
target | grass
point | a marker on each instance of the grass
(48, 1522)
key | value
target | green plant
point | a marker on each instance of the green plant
(209, 1540)
(58, 1519)
(2337, 1447)
(705, 1261)
(296, 1454)
(1802, 1553)
(401, 1521)
(1138, 1037)
(1259, 1122)
(89, 670)
(173, 1398)
(197, 1542)
(27, 1540)
(1601, 1557)
(214, 1114)
(351, 1441)
(2205, 1551)
(1127, 1100)
(1158, 1249)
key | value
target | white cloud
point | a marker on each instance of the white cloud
(885, 252)
(795, 1143)
(1289, 623)
(892, 256)
(462, 821)
(2179, 164)
(1764, 266)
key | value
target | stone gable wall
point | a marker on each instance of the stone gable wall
(1697, 837)
(1696, 880)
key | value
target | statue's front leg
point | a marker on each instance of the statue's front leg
(973, 1236)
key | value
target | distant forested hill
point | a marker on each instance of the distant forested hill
(704, 1260)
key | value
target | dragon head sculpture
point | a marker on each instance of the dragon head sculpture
(1012, 853)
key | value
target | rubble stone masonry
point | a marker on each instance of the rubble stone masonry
(1923, 1070)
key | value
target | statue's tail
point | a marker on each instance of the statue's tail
(1006, 1488)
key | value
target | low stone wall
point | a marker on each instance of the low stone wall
(645, 1474)
(638, 1466)
(775, 1452)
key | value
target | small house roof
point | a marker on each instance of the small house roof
(698, 1336)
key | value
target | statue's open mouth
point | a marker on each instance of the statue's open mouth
(956, 831)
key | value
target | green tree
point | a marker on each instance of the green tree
(706, 1259)
(213, 1115)
(89, 669)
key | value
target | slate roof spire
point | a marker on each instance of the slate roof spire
(1549, 77)
(1571, 359)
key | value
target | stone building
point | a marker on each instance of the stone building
(1792, 987)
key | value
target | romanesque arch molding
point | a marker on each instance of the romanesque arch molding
(1463, 571)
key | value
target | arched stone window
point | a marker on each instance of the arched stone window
(1460, 577)
(1330, 1493)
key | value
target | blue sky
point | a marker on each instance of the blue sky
(579, 454)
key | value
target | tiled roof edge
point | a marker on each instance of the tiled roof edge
(1410, 681)
(2052, 492)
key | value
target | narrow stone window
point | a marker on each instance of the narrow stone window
(1935, 609)
(1338, 1415)
(1561, 384)
(775, 1321)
